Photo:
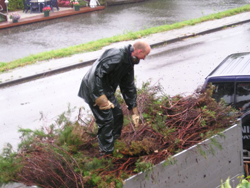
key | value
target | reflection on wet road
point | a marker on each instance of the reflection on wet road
(64, 32)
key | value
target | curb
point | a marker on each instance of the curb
(87, 63)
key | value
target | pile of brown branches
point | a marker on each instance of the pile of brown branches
(171, 125)
(44, 167)
(168, 125)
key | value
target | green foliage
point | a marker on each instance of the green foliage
(140, 147)
(124, 176)
(66, 137)
(110, 181)
(70, 148)
(27, 138)
(159, 123)
(119, 97)
(94, 180)
(95, 164)
(207, 113)
(15, 5)
(119, 145)
(244, 183)
(222, 135)
(201, 151)
(9, 165)
(227, 183)
(118, 184)
(170, 161)
(2, 64)
(83, 3)
(215, 142)
(64, 118)
(142, 166)
(126, 121)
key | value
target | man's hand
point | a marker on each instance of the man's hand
(135, 116)
(104, 103)
(136, 120)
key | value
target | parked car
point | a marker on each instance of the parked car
(231, 81)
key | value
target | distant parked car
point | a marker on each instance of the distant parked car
(231, 81)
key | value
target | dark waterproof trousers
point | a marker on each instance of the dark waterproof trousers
(109, 124)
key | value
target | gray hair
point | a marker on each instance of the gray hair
(140, 44)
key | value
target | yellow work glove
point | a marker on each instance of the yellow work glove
(104, 103)
(135, 116)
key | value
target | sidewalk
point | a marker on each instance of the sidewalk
(53, 66)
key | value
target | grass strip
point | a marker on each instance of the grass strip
(98, 44)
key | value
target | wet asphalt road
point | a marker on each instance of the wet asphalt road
(179, 67)
(30, 39)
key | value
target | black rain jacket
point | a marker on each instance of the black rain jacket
(114, 68)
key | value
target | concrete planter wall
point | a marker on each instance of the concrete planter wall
(192, 170)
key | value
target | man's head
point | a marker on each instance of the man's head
(141, 50)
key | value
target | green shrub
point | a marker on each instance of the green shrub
(9, 165)
(66, 153)
(15, 5)
(83, 3)
(244, 183)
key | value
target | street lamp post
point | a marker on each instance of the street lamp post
(6, 2)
